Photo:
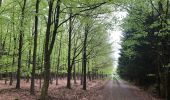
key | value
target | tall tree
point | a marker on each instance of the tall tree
(69, 52)
(58, 59)
(84, 60)
(49, 45)
(20, 44)
(35, 48)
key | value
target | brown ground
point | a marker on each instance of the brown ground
(121, 90)
(97, 90)
(59, 92)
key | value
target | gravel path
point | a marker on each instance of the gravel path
(121, 90)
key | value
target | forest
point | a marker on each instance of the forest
(50, 40)
(62, 50)
(145, 56)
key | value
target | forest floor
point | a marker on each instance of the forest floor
(96, 90)
(56, 92)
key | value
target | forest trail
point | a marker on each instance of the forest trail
(121, 90)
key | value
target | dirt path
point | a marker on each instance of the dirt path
(96, 90)
(121, 90)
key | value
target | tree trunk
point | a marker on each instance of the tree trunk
(85, 57)
(44, 90)
(69, 53)
(29, 60)
(6, 76)
(58, 60)
(158, 76)
(13, 57)
(13, 62)
(82, 70)
(35, 48)
(20, 45)
(74, 73)
(0, 3)
(168, 85)
(41, 70)
(49, 47)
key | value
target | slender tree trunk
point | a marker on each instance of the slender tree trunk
(41, 74)
(168, 85)
(44, 90)
(84, 57)
(6, 75)
(49, 47)
(58, 60)
(35, 48)
(40, 77)
(78, 71)
(14, 38)
(0, 3)
(158, 76)
(29, 60)
(42, 58)
(11, 77)
(10, 74)
(30, 51)
(8, 53)
(20, 46)
(82, 70)
(13, 63)
(19, 61)
(69, 53)
(74, 73)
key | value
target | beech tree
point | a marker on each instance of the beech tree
(21, 34)
(53, 38)
(35, 48)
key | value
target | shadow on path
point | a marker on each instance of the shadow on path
(121, 90)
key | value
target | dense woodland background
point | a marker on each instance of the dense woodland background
(48, 40)
(145, 53)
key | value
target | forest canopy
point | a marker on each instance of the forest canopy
(51, 38)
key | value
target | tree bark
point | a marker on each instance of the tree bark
(0, 3)
(168, 85)
(82, 70)
(58, 60)
(74, 73)
(44, 89)
(20, 45)
(49, 47)
(85, 57)
(69, 53)
(14, 48)
(35, 48)
(13, 62)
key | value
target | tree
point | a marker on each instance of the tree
(39, 43)
(20, 44)
(145, 44)
(35, 48)
(0, 3)
(58, 59)
(69, 52)
(85, 56)
(49, 46)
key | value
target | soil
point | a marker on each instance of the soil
(56, 92)
(96, 90)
